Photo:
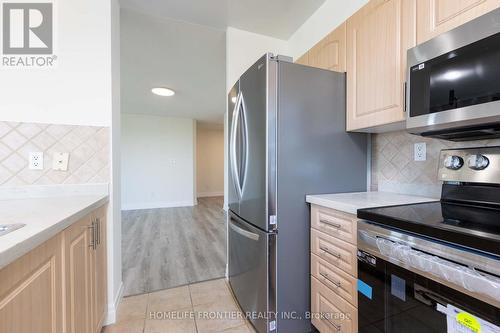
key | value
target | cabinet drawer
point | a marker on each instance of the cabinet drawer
(331, 313)
(335, 223)
(337, 252)
(336, 279)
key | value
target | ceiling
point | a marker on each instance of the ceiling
(186, 57)
(276, 18)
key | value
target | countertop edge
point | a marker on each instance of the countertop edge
(343, 207)
(25, 246)
(353, 208)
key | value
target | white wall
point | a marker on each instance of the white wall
(326, 18)
(210, 161)
(244, 48)
(77, 91)
(158, 161)
(114, 234)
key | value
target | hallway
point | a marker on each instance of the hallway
(170, 247)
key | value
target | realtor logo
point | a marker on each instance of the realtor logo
(27, 28)
(28, 34)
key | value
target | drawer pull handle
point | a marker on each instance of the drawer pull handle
(335, 326)
(336, 283)
(331, 224)
(327, 250)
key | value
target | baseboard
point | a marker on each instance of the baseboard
(210, 194)
(153, 205)
(113, 307)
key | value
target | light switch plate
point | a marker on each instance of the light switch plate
(60, 161)
(420, 151)
(36, 160)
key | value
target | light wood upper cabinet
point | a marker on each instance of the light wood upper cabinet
(329, 53)
(437, 16)
(31, 291)
(304, 60)
(378, 36)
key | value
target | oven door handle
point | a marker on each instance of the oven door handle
(429, 264)
(428, 297)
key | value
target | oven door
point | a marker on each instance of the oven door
(394, 296)
(393, 299)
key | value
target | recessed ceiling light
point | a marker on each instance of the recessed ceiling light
(161, 91)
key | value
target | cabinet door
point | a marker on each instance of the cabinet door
(31, 291)
(329, 53)
(78, 238)
(99, 271)
(378, 36)
(437, 16)
(304, 60)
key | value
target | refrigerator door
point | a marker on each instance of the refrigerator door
(254, 97)
(248, 268)
(234, 107)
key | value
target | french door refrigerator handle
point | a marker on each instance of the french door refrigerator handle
(232, 152)
(243, 232)
(244, 129)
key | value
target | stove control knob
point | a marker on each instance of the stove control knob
(453, 162)
(478, 162)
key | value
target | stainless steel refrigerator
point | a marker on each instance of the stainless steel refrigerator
(287, 139)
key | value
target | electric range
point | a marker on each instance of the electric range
(435, 267)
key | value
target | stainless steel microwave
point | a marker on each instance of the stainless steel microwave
(453, 83)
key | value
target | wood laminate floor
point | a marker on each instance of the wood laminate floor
(169, 247)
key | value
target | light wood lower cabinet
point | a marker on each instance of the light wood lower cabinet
(334, 270)
(78, 274)
(332, 314)
(99, 266)
(31, 291)
(60, 286)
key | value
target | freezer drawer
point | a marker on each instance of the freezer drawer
(249, 250)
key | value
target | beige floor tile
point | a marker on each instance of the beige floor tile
(131, 308)
(209, 292)
(184, 325)
(170, 299)
(217, 317)
(131, 326)
(239, 329)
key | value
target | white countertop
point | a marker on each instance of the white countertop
(44, 218)
(351, 202)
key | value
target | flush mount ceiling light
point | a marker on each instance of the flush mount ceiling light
(162, 91)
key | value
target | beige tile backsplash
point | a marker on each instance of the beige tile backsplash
(393, 166)
(88, 147)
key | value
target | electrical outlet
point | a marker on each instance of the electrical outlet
(60, 161)
(420, 151)
(36, 160)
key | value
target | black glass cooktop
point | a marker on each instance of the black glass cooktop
(472, 226)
